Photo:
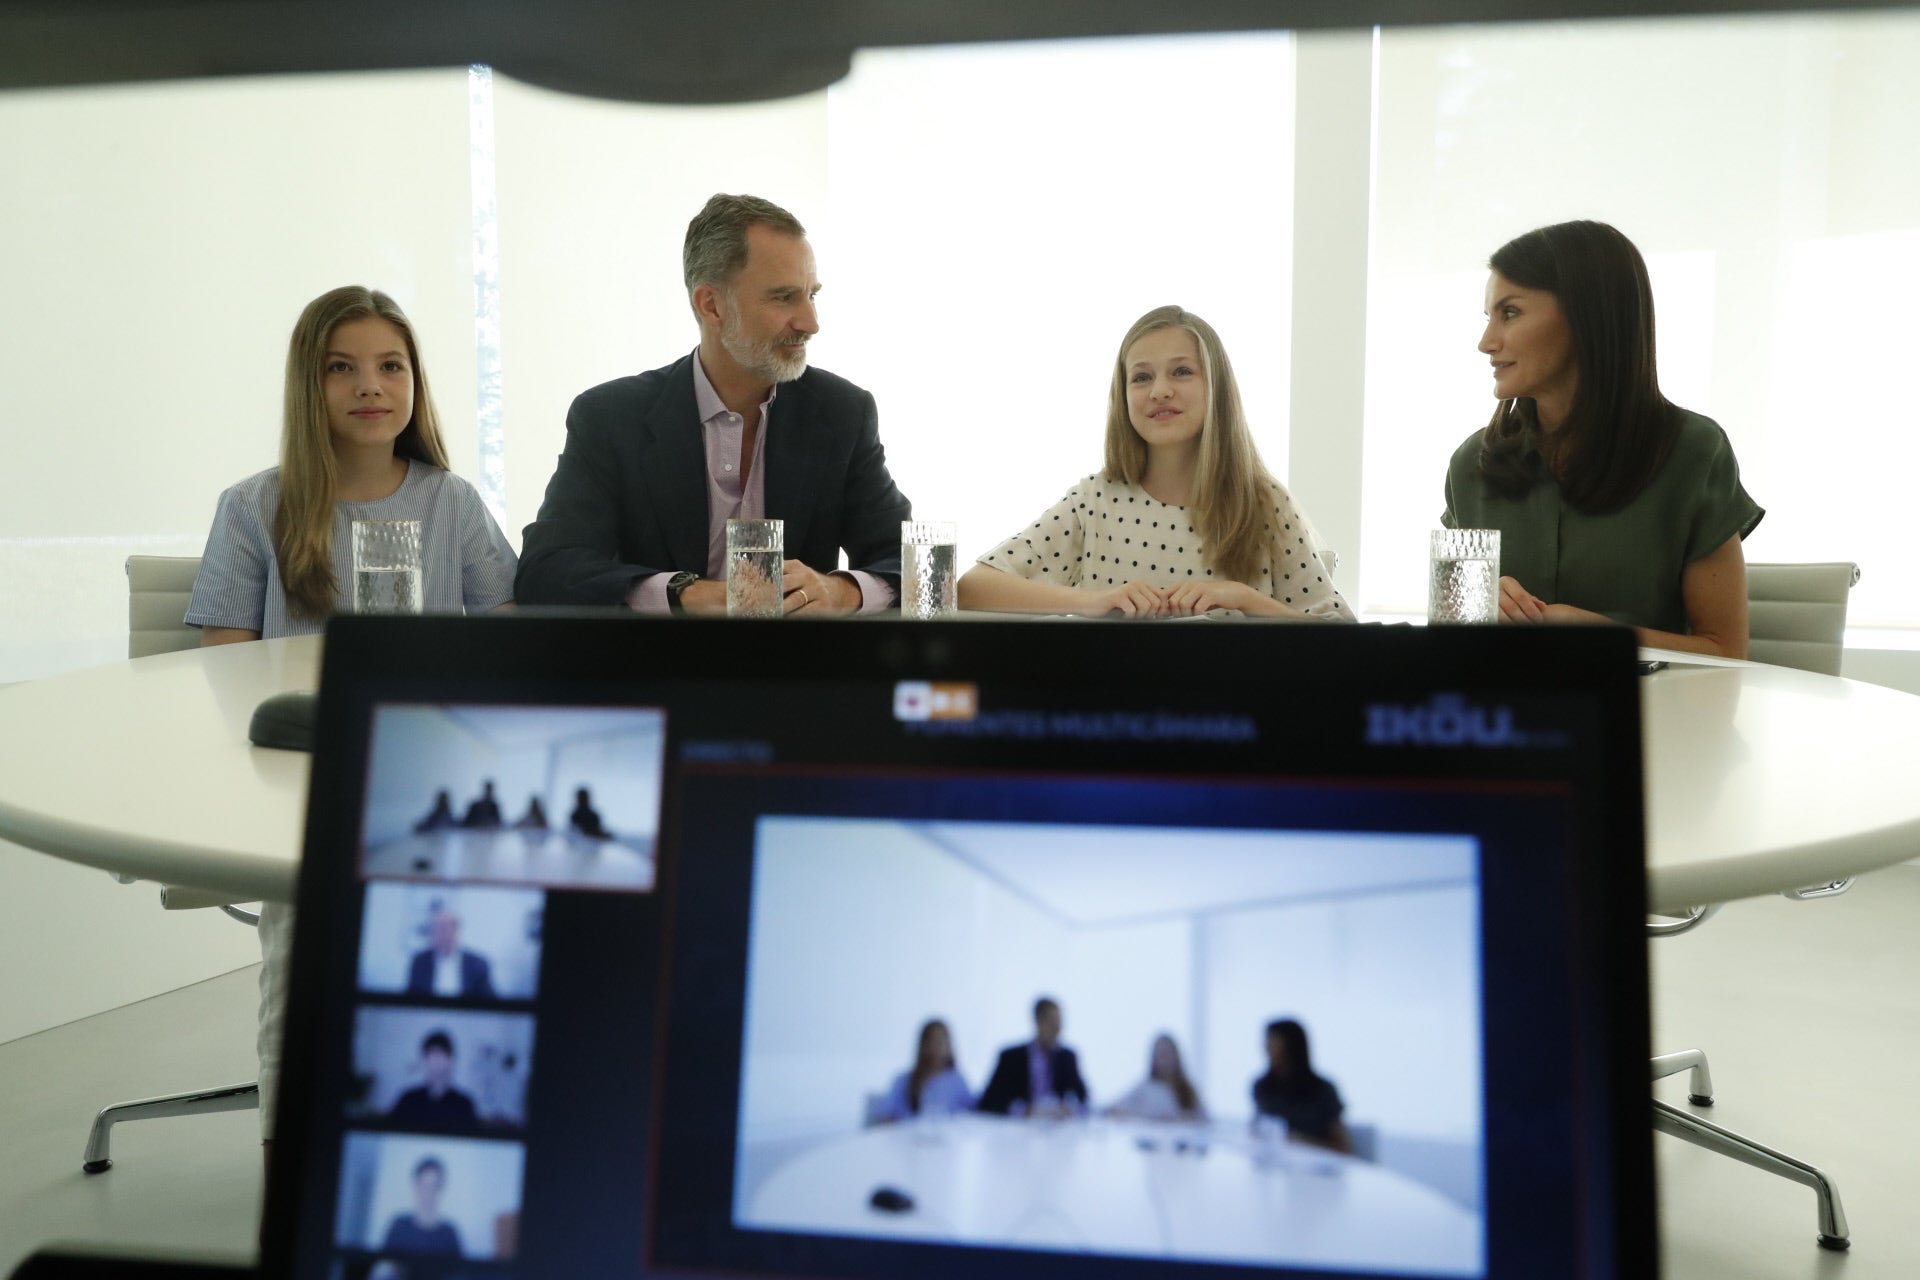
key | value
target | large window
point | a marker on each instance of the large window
(1001, 214)
(1765, 168)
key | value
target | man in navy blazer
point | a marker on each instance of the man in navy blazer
(446, 968)
(1039, 1077)
(655, 464)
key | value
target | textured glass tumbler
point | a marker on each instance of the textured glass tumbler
(1463, 581)
(756, 576)
(929, 569)
(386, 567)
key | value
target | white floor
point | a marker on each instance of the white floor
(1810, 1012)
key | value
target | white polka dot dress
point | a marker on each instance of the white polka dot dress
(1106, 532)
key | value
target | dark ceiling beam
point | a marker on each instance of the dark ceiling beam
(681, 51)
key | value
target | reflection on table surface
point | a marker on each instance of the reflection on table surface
(564, 859)
(1204, 1192)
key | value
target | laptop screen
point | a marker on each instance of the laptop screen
(966, 949)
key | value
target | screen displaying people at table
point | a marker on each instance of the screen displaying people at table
(560, 796)
(1095, 1039)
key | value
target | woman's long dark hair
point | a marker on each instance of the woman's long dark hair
(924, 1070)
(1620, 428)
(1300, 1073)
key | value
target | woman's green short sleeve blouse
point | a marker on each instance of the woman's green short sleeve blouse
(1628, 563)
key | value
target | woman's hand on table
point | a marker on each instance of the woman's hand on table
(1193, 598)
(1568, 613)
(1130, 600)
(1517, 604)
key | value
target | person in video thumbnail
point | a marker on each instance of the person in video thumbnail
(1040, 1077)
(934, 1086)
(585, 819)
(445, 968)
(435, 1105)
(1294, 1092)
(535, 818)
(424, 1230)
(1166, 1093)
(484, 813)
(440, 817)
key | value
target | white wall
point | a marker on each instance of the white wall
(72, 943)
(1895, 668)
(161, 240)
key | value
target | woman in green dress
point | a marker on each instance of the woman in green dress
(1612, 503)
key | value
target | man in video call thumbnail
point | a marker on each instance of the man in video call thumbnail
(445, 968)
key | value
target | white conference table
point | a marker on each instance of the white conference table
(143, 768)
(1759, 779)
(1207, 1193)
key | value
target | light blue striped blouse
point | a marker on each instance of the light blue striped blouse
(465, 560)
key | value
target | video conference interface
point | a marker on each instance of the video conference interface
(484, 830)
(1120, 1001)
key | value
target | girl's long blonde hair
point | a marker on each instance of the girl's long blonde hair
(1232, 501)
(303, 524)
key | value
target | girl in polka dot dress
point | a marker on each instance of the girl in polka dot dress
(1184, 518)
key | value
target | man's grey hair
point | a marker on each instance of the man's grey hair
(716, 246)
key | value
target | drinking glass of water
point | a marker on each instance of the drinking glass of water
(756, 580)
(929, 561)
(1464, 580)
(386, 567)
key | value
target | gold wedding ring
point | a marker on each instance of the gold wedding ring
(805, 599)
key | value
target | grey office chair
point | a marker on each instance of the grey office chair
(1797, 614)
(157, 592)
(158, 588)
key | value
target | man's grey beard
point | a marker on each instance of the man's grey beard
(769, 360)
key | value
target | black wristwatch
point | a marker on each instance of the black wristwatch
(678, 583)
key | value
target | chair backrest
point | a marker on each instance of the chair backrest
(158, 588)
(1797, 613)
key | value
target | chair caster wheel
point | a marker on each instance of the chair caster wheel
(101, 1166)
(1835, 1243)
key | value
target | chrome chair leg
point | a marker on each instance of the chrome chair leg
(1672, 1120)
(1693, 919)
(200, 1102)
(1699, 1085)
(1828, 889)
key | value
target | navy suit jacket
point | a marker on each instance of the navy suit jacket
(1012, 1082)
(476, 975)
(629, 497)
